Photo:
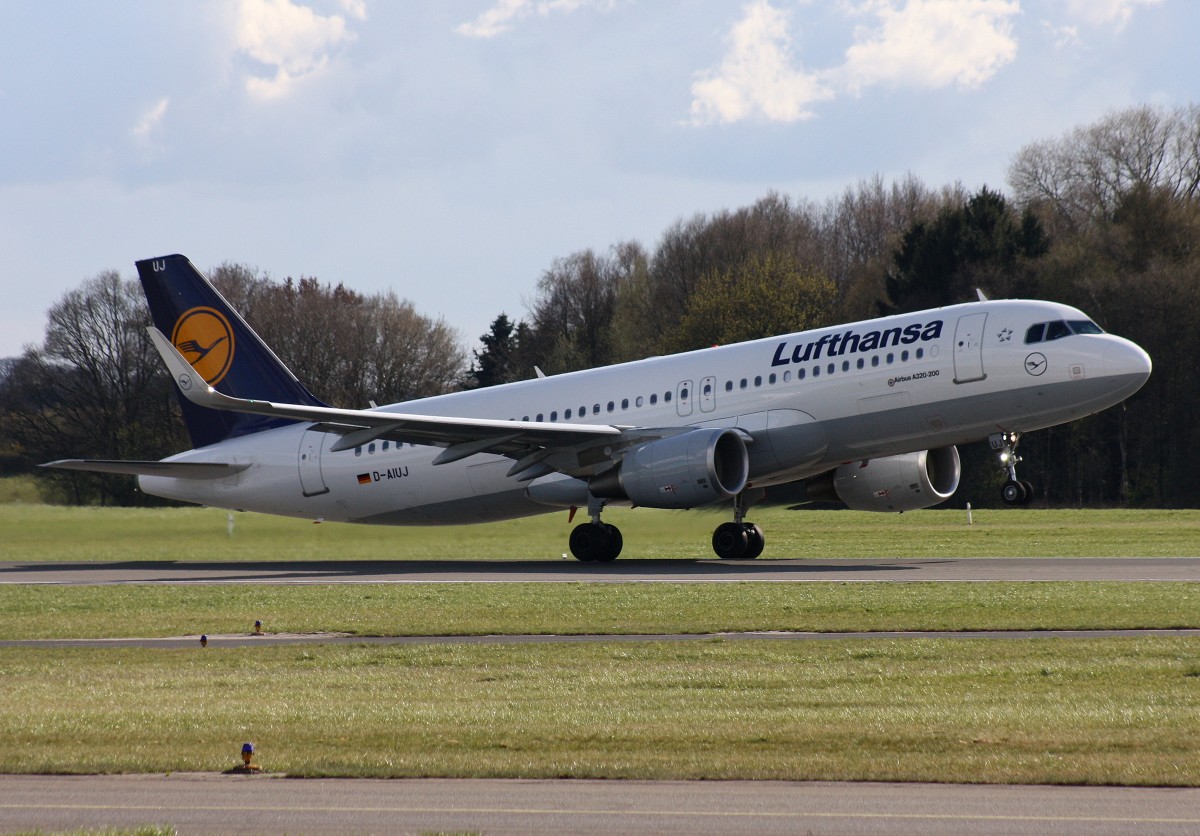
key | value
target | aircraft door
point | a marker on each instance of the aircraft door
(312, 481)
(708, 394)
(683, 398)
(968, 348)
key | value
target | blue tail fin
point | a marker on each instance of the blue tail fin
(221, 347)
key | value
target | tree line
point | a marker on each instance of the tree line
(1104, 217)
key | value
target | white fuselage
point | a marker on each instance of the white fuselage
(810, 401)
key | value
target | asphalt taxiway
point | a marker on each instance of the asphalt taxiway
(262, 804)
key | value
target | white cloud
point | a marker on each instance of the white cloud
(1106, 12)
(913, 43)
(150, 122)
(500, 18)
(932, 44)
(292, 39)
(756, 76)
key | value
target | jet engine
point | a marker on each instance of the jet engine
(693, 468)
(894, 483)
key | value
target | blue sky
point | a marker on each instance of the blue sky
(449, 151)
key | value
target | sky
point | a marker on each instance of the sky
(450, 150)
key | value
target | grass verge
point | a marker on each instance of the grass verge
(1119, 711)
(40, 612)
(54, 533)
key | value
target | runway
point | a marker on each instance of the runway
(260, 804)
(873, 570)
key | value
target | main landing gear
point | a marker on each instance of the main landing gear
(600, 542)
(740, 540)
(595, 541)
(1014, 491)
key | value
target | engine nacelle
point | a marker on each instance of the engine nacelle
(687, 470)
(899, 483)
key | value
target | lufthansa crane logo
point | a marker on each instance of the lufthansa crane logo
(205, 338)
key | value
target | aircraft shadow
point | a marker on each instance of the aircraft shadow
(333, 571)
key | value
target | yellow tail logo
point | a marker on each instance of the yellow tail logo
(205, 338)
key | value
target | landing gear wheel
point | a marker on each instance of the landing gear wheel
(596, 542)
(1014, 492)
(1028, 486)
(615, 543)
(731, 541)
(757, 542)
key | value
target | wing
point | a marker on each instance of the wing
(538, 447)
(176, 470)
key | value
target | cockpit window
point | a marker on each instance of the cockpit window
(1046, 331)
(1057, 330)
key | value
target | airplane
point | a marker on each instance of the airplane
(869, 413)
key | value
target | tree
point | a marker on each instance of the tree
(981, 243)
(96, 388)
(770, 294)
(1084, 176)
(371, 348)
(495, 364)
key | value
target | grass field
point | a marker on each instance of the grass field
(48, 612)
(41, 533)
(1123, 711)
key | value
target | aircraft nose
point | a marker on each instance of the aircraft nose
(1124, 357)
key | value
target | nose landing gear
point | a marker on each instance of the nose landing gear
(1014, 491)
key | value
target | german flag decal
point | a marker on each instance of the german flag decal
(364, 478)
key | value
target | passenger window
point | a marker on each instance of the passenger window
(1035, 332)
(771, 378)
(554, 415)
(567, 415)
(816, 371)
(358, 450)
(729, 386)
(891, 358)
(904, 356)
(525, 418)
(639, 401)
(744, 383)
(861, 362)
(831, 369)
(758, 380)
(539, 417)
(787, 377)
(611, 406)
(667, 396)
(595, 409)
(385, 446)
(683, 393)
(920, 353)
(707, 390)
(800, 374)
(371, 447)
(654, 399)
(845, 365)
(875, 360)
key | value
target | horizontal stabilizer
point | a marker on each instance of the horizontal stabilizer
(174, 470)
